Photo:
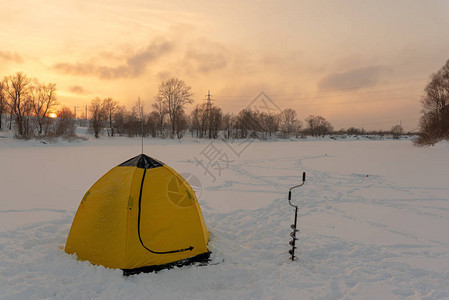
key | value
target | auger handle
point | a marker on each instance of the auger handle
(294, 187)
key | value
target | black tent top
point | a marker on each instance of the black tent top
(142, 161)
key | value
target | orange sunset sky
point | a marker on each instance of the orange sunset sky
(356, 63)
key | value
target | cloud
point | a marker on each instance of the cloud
(353, 79)
(163, 75)
(210, 57)
(206, 61)
(134, 65)
(11, 56)
(77, 89)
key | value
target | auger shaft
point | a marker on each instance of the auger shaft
(294, 225)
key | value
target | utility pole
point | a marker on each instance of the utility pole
(208, 113)
(208, 98)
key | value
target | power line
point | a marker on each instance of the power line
(327, 103)
(334, 95)
(344, 91)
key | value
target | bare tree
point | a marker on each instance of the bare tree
(215, 120)
(6, 100)
(44, 99)
(203, 119)
(354, 131)
(174, 94)
(27, 118)
(249, 123)
(229, 125)
(181, 123)
(195, 120)
(110, 106)
(153, 123)
(120, 120)
(65, 122)
(206, 119)
(17, 88)
(397, 131)
(298, 128)
(428, 125)
(138, 112)
(288, 121)
(434, 124)
(134, 120)
(2, 102)
(161, 109)
(271, 123)
(318, 126)
(97, 116)
(436, 96)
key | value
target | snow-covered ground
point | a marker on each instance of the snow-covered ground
(374, 220)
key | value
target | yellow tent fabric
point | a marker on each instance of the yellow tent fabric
(141, 213)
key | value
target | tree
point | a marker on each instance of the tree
(318, 126)
(2, 102)
(181, 124)
(110, 106)
(120, 120)
(27, 119)
(248, 123)
(434, 123)
(153, 123)
(17, 90)
(44, 99)
(428, 126)
(203, 119)
(138, 117)
(6, 100)
(271, 123)
(298, 128)
(229, 121)
(97, 116)
(174, 94)
(65, 122)
(397, 131)
(161, 109)
(195, 120)
(215, 119)
(354, 131)
(288, 121)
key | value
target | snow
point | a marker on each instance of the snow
(373, 217)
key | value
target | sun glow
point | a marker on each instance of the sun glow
(52, 115)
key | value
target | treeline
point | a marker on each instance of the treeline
(30, 106)
(27, 105)
(205, 121)
(168, 118)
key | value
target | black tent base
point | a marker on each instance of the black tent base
(202, 259)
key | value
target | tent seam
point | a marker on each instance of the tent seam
(128, 220)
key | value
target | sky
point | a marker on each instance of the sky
(359, 64)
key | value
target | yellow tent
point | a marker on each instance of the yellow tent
(141, 215)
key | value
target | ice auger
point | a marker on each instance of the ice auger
(293, 226)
